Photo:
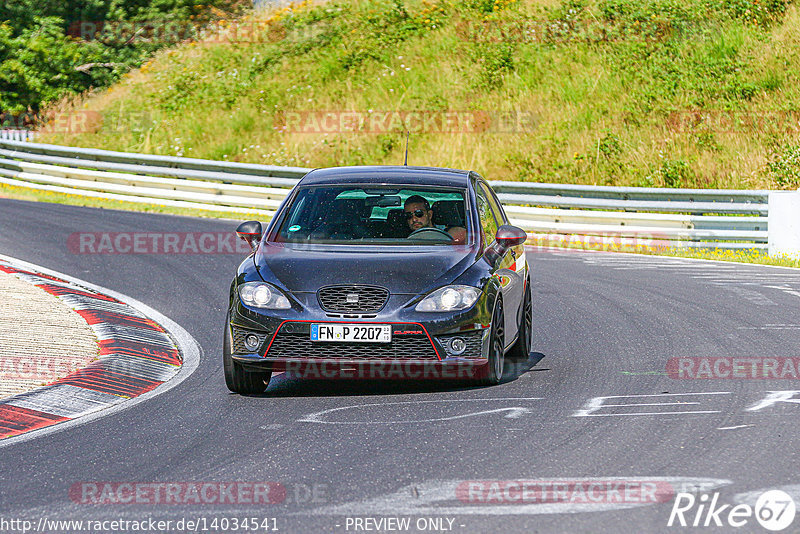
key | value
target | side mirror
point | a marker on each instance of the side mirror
(510, 236)
(507, 236)
(250, 231)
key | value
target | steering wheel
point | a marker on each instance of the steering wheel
(430, 233)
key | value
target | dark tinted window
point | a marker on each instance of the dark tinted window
(373, 214)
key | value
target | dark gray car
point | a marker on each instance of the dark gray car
(346, 282)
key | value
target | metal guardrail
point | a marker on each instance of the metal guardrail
(249, 170)
(16, 134)
(551, 213)
(741, 196)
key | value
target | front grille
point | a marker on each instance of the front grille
(474, 341)
(238, 341)
(402, 347)
(352, 298)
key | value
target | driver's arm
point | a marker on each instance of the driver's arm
(458, 234)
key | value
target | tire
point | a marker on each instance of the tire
(237, 378)
(521, 350)
(492, 372)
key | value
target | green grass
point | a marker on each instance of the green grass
(603, 86)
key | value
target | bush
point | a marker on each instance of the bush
(39, 66)
(610, 145)
(496, 61)
(39, 59)
(784, 169)
(673, 173)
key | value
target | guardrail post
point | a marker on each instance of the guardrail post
(783, 223)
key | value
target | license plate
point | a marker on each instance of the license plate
(359, 333)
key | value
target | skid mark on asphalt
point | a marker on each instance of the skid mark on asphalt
(752, 296)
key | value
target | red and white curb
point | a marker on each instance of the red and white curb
(142, 354)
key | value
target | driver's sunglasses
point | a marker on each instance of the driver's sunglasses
(416, 213)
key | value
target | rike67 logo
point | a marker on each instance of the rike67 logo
(774, 510)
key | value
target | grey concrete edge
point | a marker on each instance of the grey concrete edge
(189, 347)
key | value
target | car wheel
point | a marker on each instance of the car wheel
(522, 347)
(237, 378)
(492, 372)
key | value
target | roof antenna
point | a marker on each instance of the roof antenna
(405, 161)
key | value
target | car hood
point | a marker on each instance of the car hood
(399, 269)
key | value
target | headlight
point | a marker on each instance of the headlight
(261, 295)
(449, 298)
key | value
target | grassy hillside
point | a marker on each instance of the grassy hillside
(676, 93)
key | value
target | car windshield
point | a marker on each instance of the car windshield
(376, 214)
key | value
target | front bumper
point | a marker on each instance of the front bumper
(419, 349)
(410, 342)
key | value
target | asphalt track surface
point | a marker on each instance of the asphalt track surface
(604, 325)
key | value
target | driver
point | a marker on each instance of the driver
(420, 215)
